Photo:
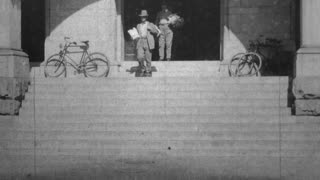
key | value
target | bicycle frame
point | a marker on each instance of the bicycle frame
(64, 55)
(91, 64)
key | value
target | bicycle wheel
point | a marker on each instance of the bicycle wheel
(247, 69)
(55, 68)
(234, 64)
(97, 67)
(255, 58)
(249, 64)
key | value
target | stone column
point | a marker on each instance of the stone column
(307, 72)
(14, 64)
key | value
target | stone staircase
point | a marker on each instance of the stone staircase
(156, 128)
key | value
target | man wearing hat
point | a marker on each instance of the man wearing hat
(166, 37)
(146, 42)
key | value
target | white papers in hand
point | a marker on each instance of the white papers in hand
(134, 33)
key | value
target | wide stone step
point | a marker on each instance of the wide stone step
(79, 103)
(160, 87)
(174, 101)
(164, 69)
(134, 89)
(83, 145)
(202, 128)
(94, 118)
(306, 136)
(151, 126)
(179, 126)
(115, 73)
(127, 152)
(154, 103)
(142, 118)
(82, 110)
(160, 95)
(212, 95)
(181, 153)
(107, 148)
(162, 80)
(144, 167)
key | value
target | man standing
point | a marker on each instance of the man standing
(146, 43)
(166, 37)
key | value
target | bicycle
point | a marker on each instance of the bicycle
(247, 64)
(91, 64)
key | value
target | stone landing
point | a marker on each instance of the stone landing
(163, 69)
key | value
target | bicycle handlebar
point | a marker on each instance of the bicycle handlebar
(68, 42)
(72, 44)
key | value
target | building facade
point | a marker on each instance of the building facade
(104, 23)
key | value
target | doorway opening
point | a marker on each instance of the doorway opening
(198, 39)
(33, 29)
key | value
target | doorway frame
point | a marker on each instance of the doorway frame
(120, 27)
(223, 20)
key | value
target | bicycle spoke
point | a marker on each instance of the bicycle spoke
(91, 68)
(234, 64)
(249, 65)
(58, 66)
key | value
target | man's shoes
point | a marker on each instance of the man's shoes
(169, 59)
(140, 71)
(148, 74)
(143, 69)
(161, 59)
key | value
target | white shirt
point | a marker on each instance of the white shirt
(143, 29)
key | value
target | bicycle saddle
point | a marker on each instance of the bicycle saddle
(85, 42)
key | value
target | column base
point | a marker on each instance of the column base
(306, 85)
(307, 107)
(14, 80)
(308, 62)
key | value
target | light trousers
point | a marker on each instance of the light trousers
(165, 42)
(144, 54)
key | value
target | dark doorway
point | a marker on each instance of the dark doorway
(33, 29)
(198, 39)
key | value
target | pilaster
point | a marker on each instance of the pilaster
(14, 63)
(307, 67)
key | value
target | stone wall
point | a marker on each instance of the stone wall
(248, 19)
(93, 20)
